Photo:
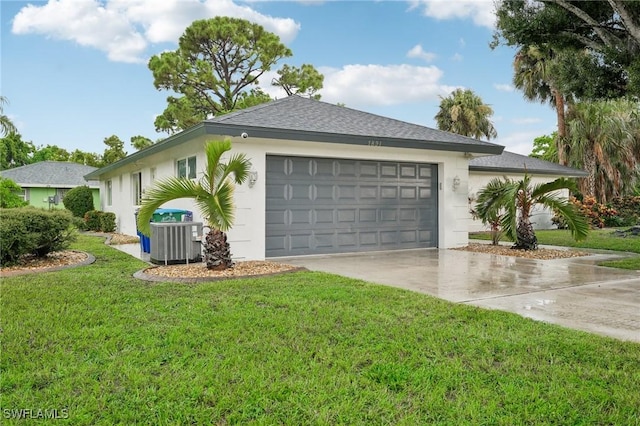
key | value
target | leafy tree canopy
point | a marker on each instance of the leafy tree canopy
(607, 30)
(303, 81)
(114, 151)
(217, 59)
(8, 194)
(140, 142)
(14, 152)
(544, 148)
(50, 153)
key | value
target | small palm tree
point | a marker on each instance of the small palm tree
(213, 194)
(513, 200)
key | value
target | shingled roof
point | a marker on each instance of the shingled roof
(308, 120)
(510, 162)
(56, 174)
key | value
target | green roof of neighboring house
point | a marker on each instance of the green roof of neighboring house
(55, 174)
(303, 119)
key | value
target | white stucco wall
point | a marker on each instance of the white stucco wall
(540, 217)
(247, 237)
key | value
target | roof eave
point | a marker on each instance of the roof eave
(167, 143)
(567, 173)
(311, 136)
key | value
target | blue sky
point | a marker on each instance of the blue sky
(74, 71)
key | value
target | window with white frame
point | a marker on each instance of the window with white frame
(186, 167)
(109, 189)
(23, 194)
(136, 188)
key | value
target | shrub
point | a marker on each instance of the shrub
(597, 214)
(108, 222)
(33, 231)
(92, 220)
(628, 208)
(8, 197)
(79, 200)
(79, 223)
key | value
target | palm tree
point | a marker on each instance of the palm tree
(6, 126)
(213, 194)
(533, 77)
(464, 113)
(513, 200)
(604, 138)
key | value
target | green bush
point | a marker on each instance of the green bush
(92, 220)
(79, 200)
(8, 194)
(108, 222)
(33, 231)
(79, 223)
(628, 209)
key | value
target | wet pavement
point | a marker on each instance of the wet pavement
(574, 292)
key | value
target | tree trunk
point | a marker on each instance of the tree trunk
(561, 139)
(217, 252)
(588, 186)
(527, 239)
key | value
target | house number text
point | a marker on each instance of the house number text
(375, 143)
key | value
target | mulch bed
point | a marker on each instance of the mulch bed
(506, 250)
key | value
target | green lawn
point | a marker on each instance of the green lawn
(302, 348)
(598, 239)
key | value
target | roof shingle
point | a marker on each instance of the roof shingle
(510, 162)
(56, 174)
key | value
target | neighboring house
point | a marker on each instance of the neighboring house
(514, 166)
(45, 183)
(325, 179)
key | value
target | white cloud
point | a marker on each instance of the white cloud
(125, 28)
(373, 85)
(482, 12)
(367, 85)
(504, 87)
(418, 52)
(457, 57)
(518, 142)
(526, 120)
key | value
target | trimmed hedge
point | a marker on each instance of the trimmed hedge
(99, 221)
(38, 232)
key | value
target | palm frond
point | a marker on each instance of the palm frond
(556, 185)
(575, 220)
(162, 192)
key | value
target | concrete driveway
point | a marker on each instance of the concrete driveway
(574, 292)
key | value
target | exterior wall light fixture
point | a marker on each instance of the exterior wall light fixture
(456, 183)
(253, 178)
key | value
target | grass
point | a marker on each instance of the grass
(303, 348)
(603, 239)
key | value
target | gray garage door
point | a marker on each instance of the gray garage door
(321, 205)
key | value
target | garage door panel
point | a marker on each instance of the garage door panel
(317, 205)
(324, 216)
(346, 170)
(368, 169)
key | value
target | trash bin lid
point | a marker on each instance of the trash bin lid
(169, 211)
